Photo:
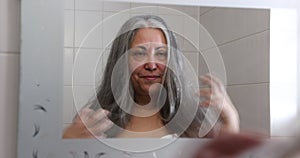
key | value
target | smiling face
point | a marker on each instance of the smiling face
(147, 59)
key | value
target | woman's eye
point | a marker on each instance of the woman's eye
(136, 52)
(161, 54)
(139, 53)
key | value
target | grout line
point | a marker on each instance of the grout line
(74, 22)
(247, 84)
(206, 11)
(85, 10)
(84, 48)
(246, 36)
(237, 39)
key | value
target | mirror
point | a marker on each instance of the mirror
(240, 36)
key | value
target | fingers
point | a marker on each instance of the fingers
(217, 97)
(212, 82)
(216, 90)
(103, 126)
(228, 145)
(89, 123)
(96, 117)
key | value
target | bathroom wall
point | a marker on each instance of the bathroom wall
(242, 36)
(81, 16)
(9, 76)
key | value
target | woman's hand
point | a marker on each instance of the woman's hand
(88, 124)
(216, 95)
(228, 145)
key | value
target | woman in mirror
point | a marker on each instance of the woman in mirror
(147, 91)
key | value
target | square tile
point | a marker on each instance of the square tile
(172, 22)
(248, 60)
(191, 30)
(204, 10)
(252, 103)
(68, 111)
(68, 66)
(143, 8)
(69, 28)
(115, 6)
(193, 59)
(88, 33)
(111, 26)
(192, 11)
(82, 96)
(85, 66)
(227, 24)
(92, 5)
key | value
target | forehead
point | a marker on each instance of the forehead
(148, 35)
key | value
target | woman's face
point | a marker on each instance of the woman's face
(147, 59)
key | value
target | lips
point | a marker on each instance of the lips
(150, 77)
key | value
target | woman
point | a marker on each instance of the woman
(146, 90)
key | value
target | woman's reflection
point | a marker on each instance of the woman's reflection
(138, 67)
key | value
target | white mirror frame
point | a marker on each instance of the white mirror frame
(40, 113)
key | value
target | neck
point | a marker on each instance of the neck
(144, 124)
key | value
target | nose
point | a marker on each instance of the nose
(151, 66)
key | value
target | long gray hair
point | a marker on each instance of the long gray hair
(175, 81)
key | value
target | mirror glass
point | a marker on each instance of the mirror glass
(242, 36)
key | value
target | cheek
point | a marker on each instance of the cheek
(162, 67)
(134, 66)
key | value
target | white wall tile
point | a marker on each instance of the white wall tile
(180, 40)
(85, 21)
(193, 58)
(69, 28)
(82, 95)
(173, 22)
(226, 24)
(68, 66)
(9, 94)
(247, 60)
(85, 65)
(68, 104)
(143, 8)
(203, 68)
(96, 5)
(191, 34)
(69, 4)
(206, 41)
(179, 10)
(211, 61)
(252, 103)
(112, 25)
(9, 26)
(204, 10)
(115, 6)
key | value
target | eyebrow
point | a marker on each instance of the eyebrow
(144, 48)
(159, 47)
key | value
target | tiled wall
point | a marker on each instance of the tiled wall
(81, 16)
(9, 76)
(242, 35)
(243, 38)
